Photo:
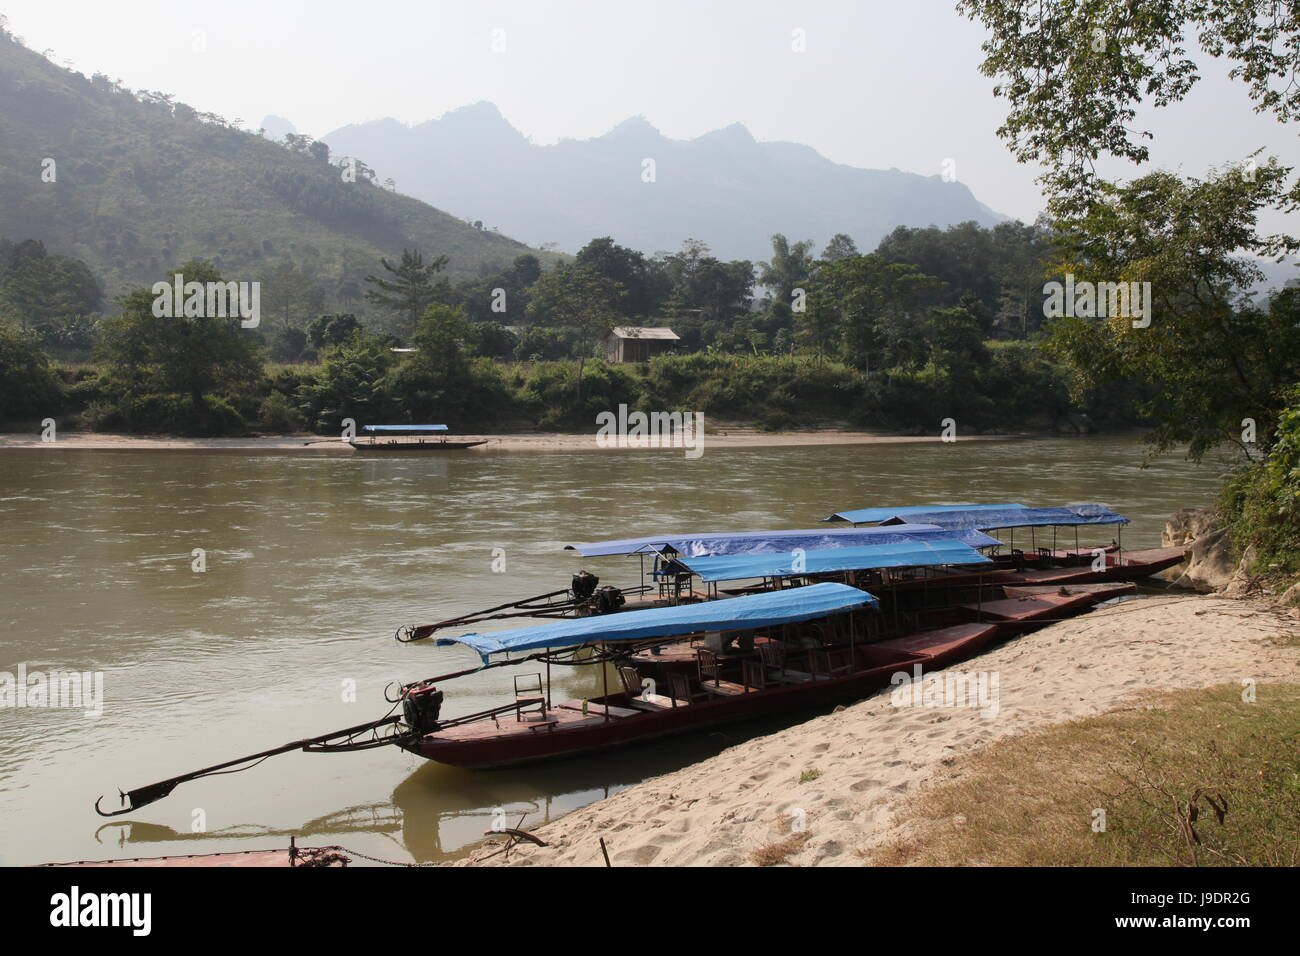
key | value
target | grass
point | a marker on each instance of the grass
(1190, 778)
(808, 776)
(777, 852)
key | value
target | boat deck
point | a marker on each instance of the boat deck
(943, 643)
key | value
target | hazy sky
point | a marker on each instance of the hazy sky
(881, 84)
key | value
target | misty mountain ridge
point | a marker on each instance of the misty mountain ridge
(723, 187)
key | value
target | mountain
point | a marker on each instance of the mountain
(723, 187)
(133, 185)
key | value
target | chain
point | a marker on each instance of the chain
(378, 859)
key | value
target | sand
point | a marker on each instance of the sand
(725, 437)
(871, 756)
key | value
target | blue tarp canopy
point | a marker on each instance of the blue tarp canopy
(700, 544)
(991, 517)
(402, 429)
(1066, 516)
(873, 515)
(912, 554)
(728, 614)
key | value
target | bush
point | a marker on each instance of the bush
(29, 388)
(550, 393)
(169, 413)
(279, 413)
(1261, 501)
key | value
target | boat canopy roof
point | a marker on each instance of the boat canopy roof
(908, 554)
(874, 515)
(992, 517)
(402, 429)
(701, 544)
(728, 614)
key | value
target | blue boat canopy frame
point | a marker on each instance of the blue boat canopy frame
(729, 614)
(986, 517)
(911, 554)
(875, 515)
(402, 429)
(702, 544)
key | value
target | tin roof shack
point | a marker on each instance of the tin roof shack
(628, 343)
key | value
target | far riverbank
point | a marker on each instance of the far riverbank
(739, 437)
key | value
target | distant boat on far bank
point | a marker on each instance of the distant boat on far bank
(408, 438)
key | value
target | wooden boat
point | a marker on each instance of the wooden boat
(386, 438)
(707, 689)
(838, 554)
(802, 646)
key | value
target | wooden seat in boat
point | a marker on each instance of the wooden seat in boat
(680, 685)
(824, 665)
(773, 656)
(530, 698)
(711, 676)
(636, 694)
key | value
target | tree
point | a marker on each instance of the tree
(290, 296)
(576, 297)
(1210, 359)
(155, 365)
(790, 267)
(331, 330)
(28, 386)
(840, 247)
(874, 310)
(629, 269)
(42, 292)
(412, 288)
(1074, 74)
(705, 296)
(442, 379)
(351, 383)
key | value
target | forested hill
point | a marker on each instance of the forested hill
(142, 183)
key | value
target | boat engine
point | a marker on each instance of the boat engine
(608, 599)
(421, 707)
(583, 585)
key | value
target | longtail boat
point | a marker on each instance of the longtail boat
(418, 438)
(670, 577)
(749, 656)
(1051, 564)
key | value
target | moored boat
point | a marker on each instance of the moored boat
(385, 438)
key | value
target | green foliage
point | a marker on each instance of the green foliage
(351, 383)
(152, 365)
(411, 289)
(1261, 501)
(279, 413)
(29, 388)
(870, 312)
(549, 389)
(1074, 74)
(331, 330)
(442, 381)
(172, 413)
(1207, 360)
(56, 298)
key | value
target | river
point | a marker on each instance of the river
(313, 560)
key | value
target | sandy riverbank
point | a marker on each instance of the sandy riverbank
(867, 759)
(522, 441)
